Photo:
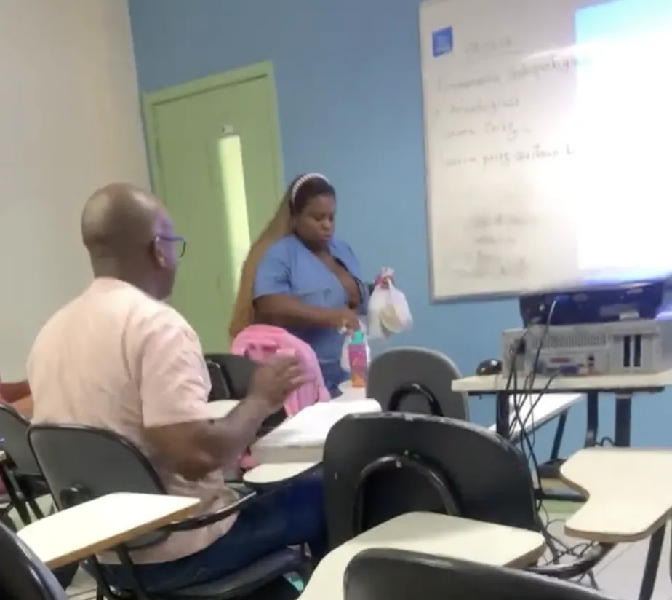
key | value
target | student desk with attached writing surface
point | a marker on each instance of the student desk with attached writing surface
(297, 444)
(629, 495)
(624, 386)
(434, 534)
(76, 533)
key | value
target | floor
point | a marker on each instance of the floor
(618, 576)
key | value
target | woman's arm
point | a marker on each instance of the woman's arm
(286, 311)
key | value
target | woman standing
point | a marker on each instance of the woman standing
(300, 277)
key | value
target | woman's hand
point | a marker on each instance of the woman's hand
(385, 278)
(344, 319)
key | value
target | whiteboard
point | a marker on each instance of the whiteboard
(548, 133)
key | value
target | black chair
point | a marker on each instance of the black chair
(22, 477)
(379, 466)
(397, 575)
(82, 463)
(219, 389)
(22, 575)
(416, 380)
(230, 377)
(20, 466)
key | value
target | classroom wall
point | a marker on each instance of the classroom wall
(350, 100)
(70, 123)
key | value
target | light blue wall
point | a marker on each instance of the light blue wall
(349, 89)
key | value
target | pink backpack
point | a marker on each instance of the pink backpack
(260, 342)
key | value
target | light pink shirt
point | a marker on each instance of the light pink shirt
(118, 359)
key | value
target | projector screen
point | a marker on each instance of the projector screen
(548, 131)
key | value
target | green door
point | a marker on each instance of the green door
(217, 166)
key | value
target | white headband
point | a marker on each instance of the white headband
(301, 180)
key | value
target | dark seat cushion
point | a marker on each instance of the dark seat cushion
(244, 581)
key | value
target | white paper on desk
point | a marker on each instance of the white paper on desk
(310, 427)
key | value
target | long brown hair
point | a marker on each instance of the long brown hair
(297, 196)
(278, 227)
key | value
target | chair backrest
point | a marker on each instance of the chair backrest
(14, 434)
(83, 463)
(416, 380)
(378, 466)
(22, 575)
(219, 388)
(237, 372)
(380, 574)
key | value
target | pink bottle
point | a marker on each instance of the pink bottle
(358, 360)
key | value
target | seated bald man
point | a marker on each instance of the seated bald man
(118, 357)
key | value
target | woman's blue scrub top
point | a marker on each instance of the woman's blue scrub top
(290, 268)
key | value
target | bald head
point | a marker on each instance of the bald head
(117, 218)
(125, 230)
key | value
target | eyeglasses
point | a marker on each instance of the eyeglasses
(178, 240)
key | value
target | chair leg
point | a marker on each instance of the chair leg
(651, 566)
(6, 520)
(34, 506)
(17, 502)
(557, 439)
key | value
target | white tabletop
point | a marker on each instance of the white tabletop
(350, 393)
(629, 492)
(218, 409)
(276, 472)
(535, 413)
(92, 527)
(491, 384)
(429, 533)
(301, 438)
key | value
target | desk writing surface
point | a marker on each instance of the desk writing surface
(92, 527)
(429, 533)
(218, 409)
(307, 429)
(491, 384)
(348, 392)
(534, 414)
(629, 492)
(277, 472)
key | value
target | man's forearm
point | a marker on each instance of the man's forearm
(225, 440)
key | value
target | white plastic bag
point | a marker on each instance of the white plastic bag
(377, 303)
(389, 312)
(396, 316)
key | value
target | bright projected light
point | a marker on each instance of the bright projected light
(623, 125)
